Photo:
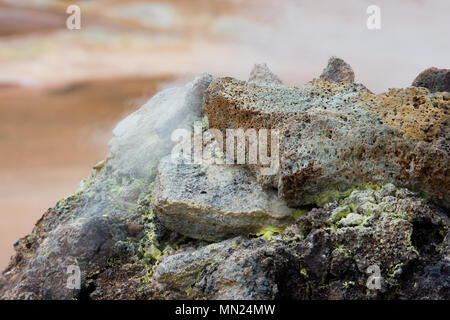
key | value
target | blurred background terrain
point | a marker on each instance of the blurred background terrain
(62, 91)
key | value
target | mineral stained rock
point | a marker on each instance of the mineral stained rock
(321, 258)
(415, 112)
(434, 79)
(338, 70)
(141, 226)
(215, 202)
(88, 229)
(261, 74)
(335, 135)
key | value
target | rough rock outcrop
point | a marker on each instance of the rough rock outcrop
(215, 202)
(261, 74)
(433, 79)
(343, 149)
(415, 112)
(334, 136)
(324, 255)
(320, 257)
(338, 70)
(89, 228)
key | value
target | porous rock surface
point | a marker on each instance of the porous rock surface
(433, 79)
(343, 149)
(261, 74)
(320, 258)
(417, 113)
(337, 135)
(215, 202)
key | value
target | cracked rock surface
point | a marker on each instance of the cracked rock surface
(215, 202)
(319, 257)
(362, 186)
(88, 228)
(434, 79)
(338, 70)
(334, 136)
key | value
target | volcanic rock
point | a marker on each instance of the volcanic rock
(140, 225)
(335, 135)
(89, 228)
(215, 202)
(321, 257)
(433, 79)
(338, 70)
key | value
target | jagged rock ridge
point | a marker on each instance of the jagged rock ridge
(212, 232)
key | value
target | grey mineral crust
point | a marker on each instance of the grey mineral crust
(215, 202)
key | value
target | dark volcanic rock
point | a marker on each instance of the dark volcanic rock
(320, 258)
(134, 228)
(86, 229)
(433, 79)
(342, 149)
(338, 70)
(334, 136)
